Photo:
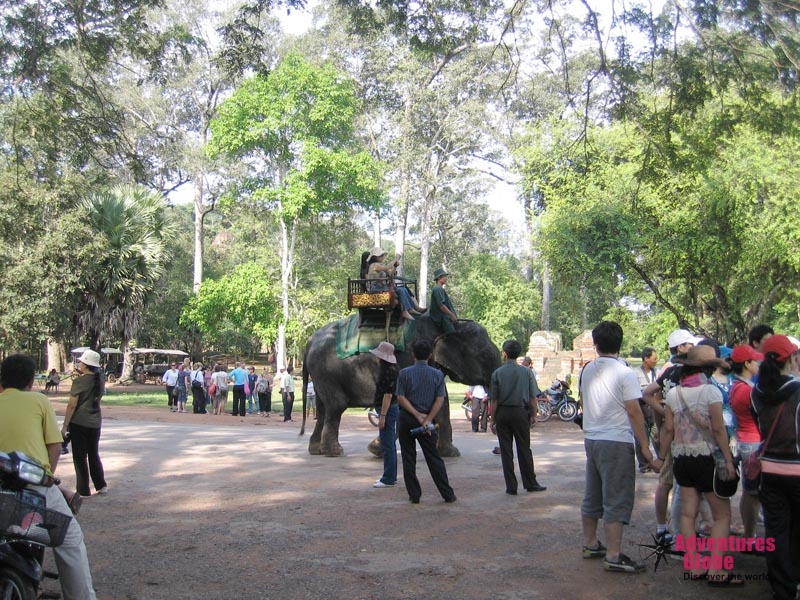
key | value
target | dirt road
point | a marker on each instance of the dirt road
(205, 507)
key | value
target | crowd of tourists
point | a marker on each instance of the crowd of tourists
(210, 386)
(709, 410)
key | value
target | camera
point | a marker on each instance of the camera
(429, 428)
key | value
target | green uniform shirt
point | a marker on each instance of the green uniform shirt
(440, 298)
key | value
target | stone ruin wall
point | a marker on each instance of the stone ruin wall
(551, 362)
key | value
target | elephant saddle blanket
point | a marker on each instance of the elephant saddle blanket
(354, 337)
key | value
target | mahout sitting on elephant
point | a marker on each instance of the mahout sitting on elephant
(466, 355)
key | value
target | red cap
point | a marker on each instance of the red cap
(779, 345)
(741, 354)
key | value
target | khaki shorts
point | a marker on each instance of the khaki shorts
(665, 477)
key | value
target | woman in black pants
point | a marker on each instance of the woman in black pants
(197, 383)
(82, 421)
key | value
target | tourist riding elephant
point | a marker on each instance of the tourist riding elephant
(466, 355)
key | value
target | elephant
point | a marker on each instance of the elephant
(466, 355)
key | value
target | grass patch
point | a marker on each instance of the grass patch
(121, 397)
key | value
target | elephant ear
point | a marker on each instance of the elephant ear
(466, 355)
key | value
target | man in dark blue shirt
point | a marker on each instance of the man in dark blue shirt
(420, 393)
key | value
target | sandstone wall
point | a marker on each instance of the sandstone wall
(551, 362)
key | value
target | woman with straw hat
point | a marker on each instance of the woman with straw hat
(695, 431)
(381, 273)
(83, 420)
(385, 401)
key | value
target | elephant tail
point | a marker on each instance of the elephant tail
(305, 388)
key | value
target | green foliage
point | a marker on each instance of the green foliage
(498, 297)
(130, 227)
(299, 120)
(245, 300)
(437, 27)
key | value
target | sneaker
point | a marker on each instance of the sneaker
(599, 551)
(624, 564)
(380, 484)
(496, 450)
(103, 490)
(666, 538)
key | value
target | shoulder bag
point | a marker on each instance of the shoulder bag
(724, 486)
(751, 465)
(197, 385)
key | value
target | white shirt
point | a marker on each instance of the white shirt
(287, 383)
(606, 384)
(689, 440)
(170, 377)
(478, 391)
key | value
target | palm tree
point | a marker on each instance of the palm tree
(131, 225)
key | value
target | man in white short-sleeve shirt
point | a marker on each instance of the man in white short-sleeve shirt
(610, 393)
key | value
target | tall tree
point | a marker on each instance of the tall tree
(295, 128)
(131, 226)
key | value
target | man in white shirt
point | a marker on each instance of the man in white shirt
(646, 373)
(610, 392)
(170, 380)
(477, 393)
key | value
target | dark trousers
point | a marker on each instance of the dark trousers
(86, 458)
(264, 403)
(780, 498)
(239, 397)
(513, 427)
(480, 414)
(171, 396)
(288, 404)
(198, 400)
(408, 451)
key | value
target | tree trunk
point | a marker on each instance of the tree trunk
(55, 355)
(199, 214)
(127, 364)
(546, 297)
(405, 192)
(288, 235)
(425, 250)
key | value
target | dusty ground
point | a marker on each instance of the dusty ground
(205, 507)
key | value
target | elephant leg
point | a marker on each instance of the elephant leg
(446, 447)
(329, 444)
(316, 437)
(375, 447)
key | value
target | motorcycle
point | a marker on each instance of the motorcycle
(27, 526)
(545, 408)
(559, 401)
(374, 417)
(467, 406)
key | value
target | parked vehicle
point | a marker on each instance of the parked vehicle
(374, 417)
(27, 526)
(562, 404)
(545, 408)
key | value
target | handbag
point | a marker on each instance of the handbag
(212, 389)
(197, 385)
(724, 486)
(751, 465)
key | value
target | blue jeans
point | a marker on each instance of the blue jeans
(387, 437)
(404, 295)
